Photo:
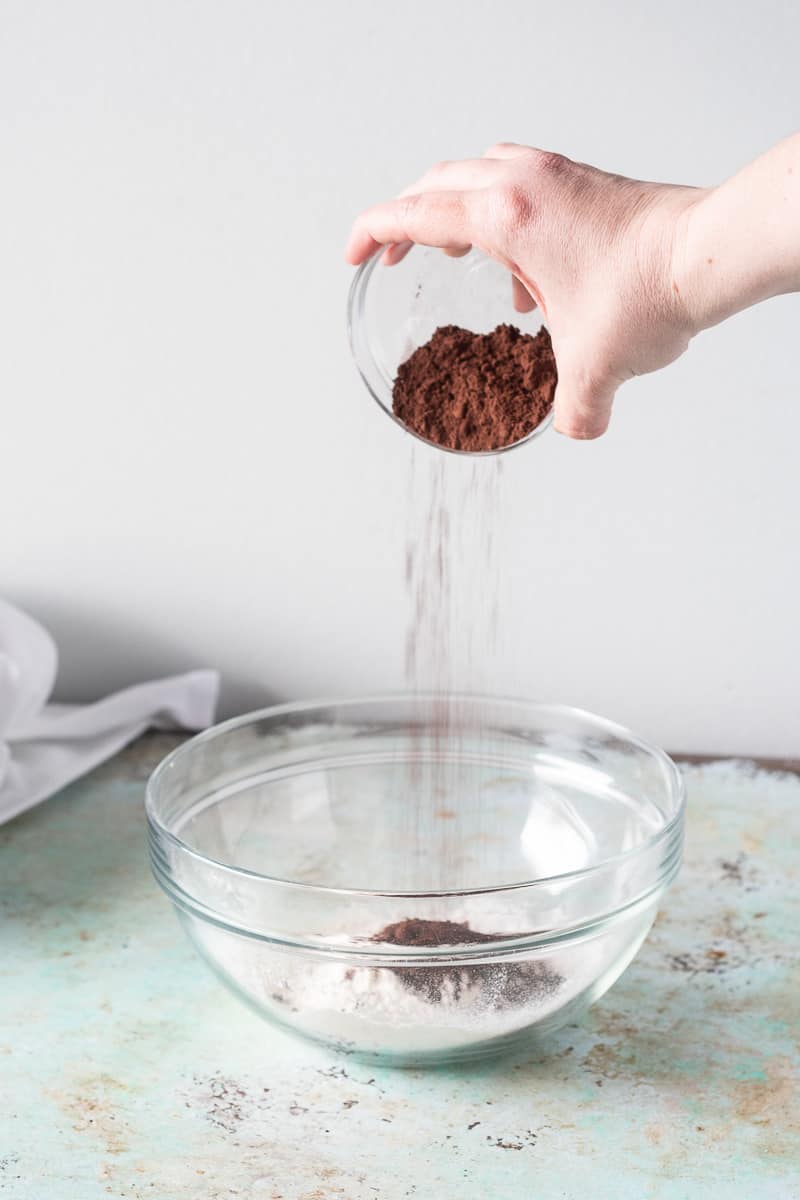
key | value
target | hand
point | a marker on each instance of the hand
(596, 252)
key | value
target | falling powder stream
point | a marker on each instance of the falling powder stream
(452, 584)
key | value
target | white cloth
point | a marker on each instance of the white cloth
(45, 746)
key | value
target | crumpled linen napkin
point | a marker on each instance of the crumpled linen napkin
(45, 746)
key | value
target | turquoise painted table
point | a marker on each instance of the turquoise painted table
(127, 1071)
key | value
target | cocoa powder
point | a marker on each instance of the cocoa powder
(503, 983)
(476, 391)
(419, 931)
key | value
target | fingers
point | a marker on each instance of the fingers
(523, 300)
(395, 252)
(430, 224)
(441, 219)
(455, 177)
(449, 176)
(442, 222)
(583, 401)
(445, 176)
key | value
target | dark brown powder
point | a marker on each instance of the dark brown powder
(502, 983)
(416, 931)
(476, 391)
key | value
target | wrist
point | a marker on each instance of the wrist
(693, 284)
(738, 244)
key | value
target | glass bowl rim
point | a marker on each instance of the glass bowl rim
(364, 358)
(676, 787)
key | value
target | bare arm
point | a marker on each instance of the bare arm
(625, 272)
(741, 243)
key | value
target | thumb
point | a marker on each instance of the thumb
(583, 400)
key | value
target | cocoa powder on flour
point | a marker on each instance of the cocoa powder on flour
(503, 983)
(476, 391)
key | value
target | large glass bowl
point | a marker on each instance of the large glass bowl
(391, 311)
(417, 880)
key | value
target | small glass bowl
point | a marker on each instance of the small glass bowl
(311, 849)
(391, 311)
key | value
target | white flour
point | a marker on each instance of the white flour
(376, 1009)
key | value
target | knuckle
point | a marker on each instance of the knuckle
(581, 431)
(459, 210)
(583, 401)
(409, 208)
(547, 162)
(512, 204)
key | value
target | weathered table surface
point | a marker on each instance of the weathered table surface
(126, 1070)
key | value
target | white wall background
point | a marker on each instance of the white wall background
(184, 480)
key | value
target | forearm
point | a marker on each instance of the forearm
(741, 240)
